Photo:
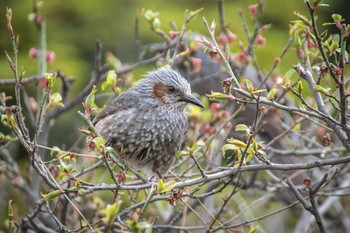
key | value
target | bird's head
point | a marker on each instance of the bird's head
(169, 87)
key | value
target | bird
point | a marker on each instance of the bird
(149, 120)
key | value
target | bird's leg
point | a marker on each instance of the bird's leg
(109, 142)
(159, 175)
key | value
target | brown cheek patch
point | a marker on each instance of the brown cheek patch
(159, 90)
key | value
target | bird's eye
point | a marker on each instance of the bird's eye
(171, 89)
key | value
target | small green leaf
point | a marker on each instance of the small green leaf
(160, 184)
(237, 142)
(322, 90)
(149, 15)
(199, 143)
(220, 96)
(99, 142)
(52, 195)
(258, 91)
(194, 14)
(336, 38)
(249, 85)
(327, 24)
(249, 157)
(90, 99)
(181, 153)
(11, 121)
(5, 138)
(156, 23)
(104, 85)
(227, 147)
(242, 127)
(86, 132)
(334, 46)
(272, 93)
(110, 212)
(54, 150)
(50, 78)
(319, 88)
(252, 229)
(346, 56)
(111, 77)
(65, 167)
(299, 87)
(197, 154)
(337, 17)
(262, 153)
(56, 99)
(166, 187)
(10, 209)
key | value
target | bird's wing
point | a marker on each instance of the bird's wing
(125, 101)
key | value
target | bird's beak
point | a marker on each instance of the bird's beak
(192, 100)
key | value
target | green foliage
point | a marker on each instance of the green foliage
(50, 196)
(195, 150)
(165, 187)
(110, 212)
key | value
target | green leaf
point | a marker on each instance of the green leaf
(149, 15)
(299, 87)
(346, 56)
(249, 157)
(250, 150)
(272, 93)
(86, 132)
(199, 143)
(4, 138)
(146, 226)
(322, 90)
(227, 147)
(12, 121)
(99, 142)
(54, 150)
(56, 99)
(258, 91)
(242, 127)
(252, 229)
(181, 153)
(194, 14)
(104, 85)
(160, 184)
(220, 96)
(237, 142)
(65, 167)
(334, 46)
(262, 153)
(197, 154)
(166, 187)
(111, 77)
(336, 38)
(136, 227)
(10, 209)
(337, 17)
(156, 23)
(52, 195)
(249, 85)
(50, 78)
(90, 99)
(327, 24)
(110, 212)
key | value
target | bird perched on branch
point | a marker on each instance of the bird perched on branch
(149, 121)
